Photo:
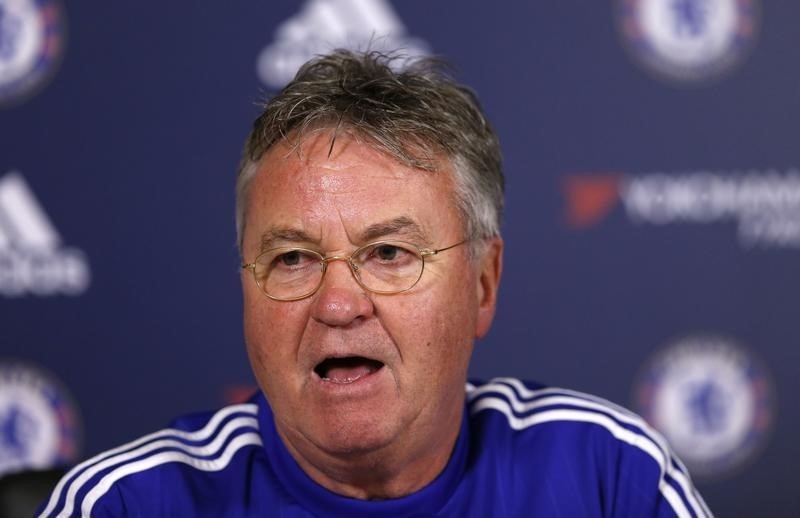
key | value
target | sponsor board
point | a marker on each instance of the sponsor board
(39, 426)
(711, 399)
(32, 258)
(688, 41)
(323, 25)
(764, 205)
(32, 34)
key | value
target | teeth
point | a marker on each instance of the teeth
(346, 370)
(344, 381)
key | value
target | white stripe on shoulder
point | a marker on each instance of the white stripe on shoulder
(521, 407)
(217, 464)
(526, 393)
(558, 396)
(649, 440)
(197, 451)
(106, 457)
(623, 434)
(674, 500)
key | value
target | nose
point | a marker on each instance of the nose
(340, 300)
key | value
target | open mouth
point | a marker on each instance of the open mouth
(346, 370)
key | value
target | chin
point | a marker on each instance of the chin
(355, 434)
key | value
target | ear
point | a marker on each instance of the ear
(491, 267)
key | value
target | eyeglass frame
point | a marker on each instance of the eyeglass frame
(324, 261)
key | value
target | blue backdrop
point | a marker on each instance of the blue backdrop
(652, 226)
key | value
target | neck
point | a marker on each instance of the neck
(393, 471)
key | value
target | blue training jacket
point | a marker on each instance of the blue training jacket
(523, 450)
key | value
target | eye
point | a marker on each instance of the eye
(290, 258)
(386, 255)
(387, 252)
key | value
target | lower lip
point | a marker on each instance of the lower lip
(360, 385)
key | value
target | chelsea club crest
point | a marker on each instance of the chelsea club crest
(688, 41)
(32, 34)
(38, 422)
(711, 399)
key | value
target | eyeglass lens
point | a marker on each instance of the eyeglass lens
(386, 267)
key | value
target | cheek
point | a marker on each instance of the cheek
(270, 334)
(432, 329)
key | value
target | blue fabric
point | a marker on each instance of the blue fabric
(523, 450)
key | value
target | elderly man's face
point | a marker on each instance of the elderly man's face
(348, 371)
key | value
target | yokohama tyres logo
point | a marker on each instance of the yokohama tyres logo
(763, 205)
(32, 258)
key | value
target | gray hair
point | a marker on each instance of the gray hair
(414, 113)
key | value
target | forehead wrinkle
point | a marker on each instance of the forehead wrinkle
(342, 182)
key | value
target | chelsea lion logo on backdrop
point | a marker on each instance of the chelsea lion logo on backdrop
(711, 399)
(31, 43)
(38, 422)
(688, 41)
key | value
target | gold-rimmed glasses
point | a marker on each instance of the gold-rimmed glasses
(387, 267)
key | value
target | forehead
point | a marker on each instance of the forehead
(340, 163)
(314, 185)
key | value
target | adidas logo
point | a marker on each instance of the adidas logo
(32, 260)
(324, 25)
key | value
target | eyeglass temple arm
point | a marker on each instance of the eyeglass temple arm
(428, 252)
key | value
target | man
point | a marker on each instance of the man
(368, 210)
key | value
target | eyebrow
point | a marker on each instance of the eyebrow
(272, 236)
(402, 225)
